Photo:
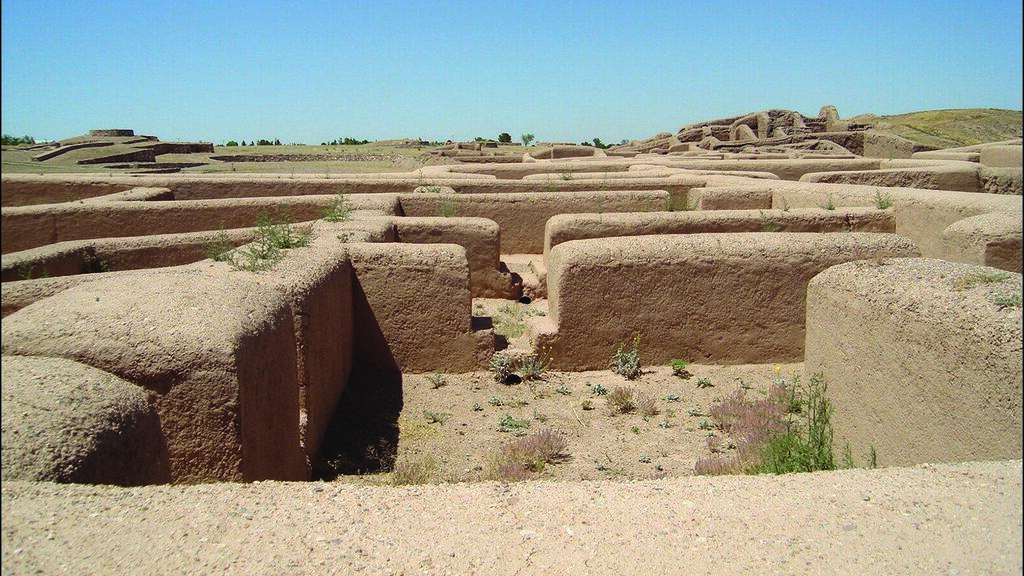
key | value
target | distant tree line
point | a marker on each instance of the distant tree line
(260, 142)
(9, 140)
(345, 142)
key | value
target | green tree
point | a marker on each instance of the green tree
(232, 143)
(504, 138)
(526, 138)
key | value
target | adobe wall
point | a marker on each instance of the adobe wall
(68, 422)
(480, 237)
(214, 348)
(413, 306)
(522, 217)
(992, 239)
(715, 298)
(567, 227)
(922, 363)
(116, 254)
(921, 215)
(28, 191)
(34, 226)
(951, 175)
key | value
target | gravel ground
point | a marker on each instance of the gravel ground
(930, 519)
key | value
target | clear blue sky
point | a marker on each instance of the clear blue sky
(562, 70)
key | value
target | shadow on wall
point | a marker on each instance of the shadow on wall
(362, 436)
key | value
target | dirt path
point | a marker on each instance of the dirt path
(933, 519)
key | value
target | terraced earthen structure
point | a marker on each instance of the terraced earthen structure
(895, 278)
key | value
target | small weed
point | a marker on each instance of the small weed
(563, 390)
(768, 438)
(437, 380)
(872, 458)
(635, 430)
(972, 280)
(665, 424)
(696, 412)
(339, 209)
(706, 425)
(411, 472)
(882, 201)
(436, 417)
(673, 398)
(626, 361)
(521, 459)
(679, 369)
(645, 459)
(218, 250)
(598, 390)
(539, 417)
(1007, 300)
(91, 264)
(646, 405)
(829, 204)
(477, 407)
(25, 270)
(567, 175)
(495, 401)
(622, 400)
(266, 250)
(503, 367)
(550, 187)
(534, 366)
(587, 404)
(516, 426)
(704, 383)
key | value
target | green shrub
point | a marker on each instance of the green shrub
(338, 210)
(626, 360)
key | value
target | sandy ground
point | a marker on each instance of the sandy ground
(932, 519)
(600, 443)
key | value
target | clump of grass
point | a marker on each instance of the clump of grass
(339, 209)
(525, 458)
(621, 400)
(646, 405)
(411, 472)
(534, 366)
(882, 201)
(767, 435)
(626, 360)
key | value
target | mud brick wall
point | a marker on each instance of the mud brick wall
(413, 309)
(567, 227)
(922, 363)
(214, 349)
(522, 217)
(715, 298)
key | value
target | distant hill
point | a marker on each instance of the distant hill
(949, 128)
